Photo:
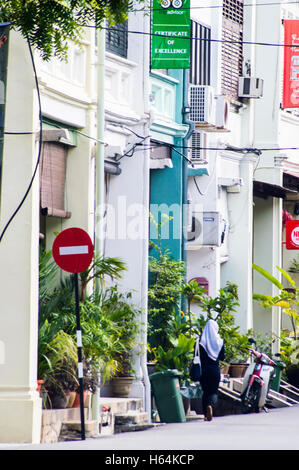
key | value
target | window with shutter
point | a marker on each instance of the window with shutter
(52, 179)
(232, 52)
(117, 39)
(200, 64)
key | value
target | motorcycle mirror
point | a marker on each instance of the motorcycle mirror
(251, 340)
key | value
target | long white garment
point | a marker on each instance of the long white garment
(210, 339)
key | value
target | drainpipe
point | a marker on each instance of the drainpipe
(99, 177)
(100, 156)
(146, 202)
(185, 164)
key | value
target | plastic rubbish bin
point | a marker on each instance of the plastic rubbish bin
(168, 398)
(279, 366)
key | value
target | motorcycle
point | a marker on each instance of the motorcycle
(257, 382)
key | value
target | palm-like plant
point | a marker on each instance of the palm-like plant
(287, 298)
(100, 267)
(57, 361)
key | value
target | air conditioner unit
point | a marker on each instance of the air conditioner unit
(197, 147)
(202, 105)
(206, 230)
(222, 113)
(250, 87)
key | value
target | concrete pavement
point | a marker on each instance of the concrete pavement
(276, 430)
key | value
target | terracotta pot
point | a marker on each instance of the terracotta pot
(39, 386)
(71, 399)
(237, 370)
(121, 386)
(76, 403)
(224, 369)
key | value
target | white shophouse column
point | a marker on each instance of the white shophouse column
(20, 405)
(238, 268)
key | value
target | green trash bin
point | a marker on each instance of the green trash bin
(168, 398)
(279, 366)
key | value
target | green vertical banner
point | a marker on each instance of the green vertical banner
(171, 29)
(4, 31)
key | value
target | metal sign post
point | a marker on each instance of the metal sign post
(80, 363)
(73, 252)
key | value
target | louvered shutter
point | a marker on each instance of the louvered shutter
(232, 53)
(52, 180)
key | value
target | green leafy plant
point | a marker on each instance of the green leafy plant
(166, 275)
(178, 356)
(294, 267)
(263, 341)
(223, 304)
(100, 268)
(109, 322)
(221, 308)
(57, 364)
(118, 308)
(194, 293)
(50, 23)
(289, 349)
(287, 298)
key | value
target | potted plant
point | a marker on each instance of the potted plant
(289, 348)
(166, 276)
(221, 308)
(177, 358)
(100, 312)
(57, 365)
(118, 308)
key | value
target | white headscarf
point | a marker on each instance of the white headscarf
(210, 339)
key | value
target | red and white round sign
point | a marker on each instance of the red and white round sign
(292, 234)
(72, 250)
(295, 236)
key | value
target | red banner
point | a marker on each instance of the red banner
(291, 64)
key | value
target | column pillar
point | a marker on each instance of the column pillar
(20, 405)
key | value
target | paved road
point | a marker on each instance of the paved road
(276, 430)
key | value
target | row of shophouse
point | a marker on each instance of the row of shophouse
(121, 140)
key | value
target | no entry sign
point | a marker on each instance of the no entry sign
(72, 250)
(292, 234)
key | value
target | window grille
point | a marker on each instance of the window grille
(117, 39)
(232, 52)
(200, 67)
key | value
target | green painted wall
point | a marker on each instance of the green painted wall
(166, 186)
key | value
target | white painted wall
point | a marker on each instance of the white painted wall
(20, 405)
(127, 195)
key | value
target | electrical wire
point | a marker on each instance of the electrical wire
(39, 150)
(244, 150)
(143, 10)
(219, 41)
(19, 133)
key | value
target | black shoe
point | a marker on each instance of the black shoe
(209, 413)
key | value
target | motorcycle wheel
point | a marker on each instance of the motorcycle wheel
(250, 402)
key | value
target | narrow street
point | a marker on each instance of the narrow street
(276, 430)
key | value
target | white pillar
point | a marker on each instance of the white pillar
(20, 405)
(238, 268)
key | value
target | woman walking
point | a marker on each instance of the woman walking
(211, 349)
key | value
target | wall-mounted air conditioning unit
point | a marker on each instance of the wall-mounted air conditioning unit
(197, 147)
(206, 230)
(250, 87)
(222, 113)
(202, 105)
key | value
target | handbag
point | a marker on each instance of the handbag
(195, 369)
